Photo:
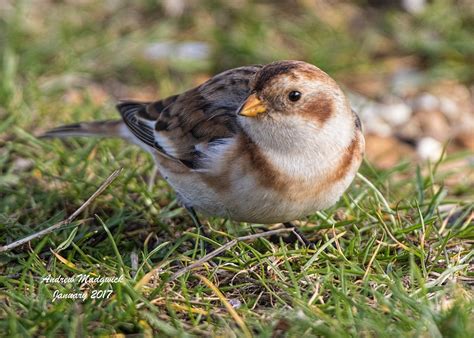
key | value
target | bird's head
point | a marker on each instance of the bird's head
(292, 100)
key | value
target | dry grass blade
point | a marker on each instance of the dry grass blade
(367, 270)
(227, 305)
(226, 247)
(68, 220)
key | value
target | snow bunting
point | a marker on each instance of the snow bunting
(261, 144)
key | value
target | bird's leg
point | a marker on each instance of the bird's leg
(192, 214)
(196, 221)
(295, 236)
(298, 234)
(201, 230)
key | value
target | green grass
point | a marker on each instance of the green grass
(392, 258)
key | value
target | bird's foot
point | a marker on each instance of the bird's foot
(205, 245)
(296, 236)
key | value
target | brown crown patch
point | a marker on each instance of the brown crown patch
(315, 74)
(273, 70)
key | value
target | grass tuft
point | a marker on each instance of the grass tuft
(393, 257)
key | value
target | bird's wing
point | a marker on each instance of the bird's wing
(180, 125)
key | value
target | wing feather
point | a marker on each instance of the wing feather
(180, 125)
(141, 130)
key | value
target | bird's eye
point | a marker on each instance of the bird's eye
(294, 96)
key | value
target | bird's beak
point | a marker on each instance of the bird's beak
(252, 107)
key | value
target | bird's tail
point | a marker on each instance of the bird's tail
(109, 128)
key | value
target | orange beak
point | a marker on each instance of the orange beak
(252, 107)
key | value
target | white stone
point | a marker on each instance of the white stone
(188, 50)
(396, 113)
(426, 101)
(429, 149)
(414, 6)
(449, 107)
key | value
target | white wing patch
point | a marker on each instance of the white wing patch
(213, 154)
(165, 143)
(126, 134)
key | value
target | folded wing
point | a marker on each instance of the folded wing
(182, 125)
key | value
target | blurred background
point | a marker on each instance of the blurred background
(408, 68)
(408, 65)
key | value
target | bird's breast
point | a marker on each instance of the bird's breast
(250, 188)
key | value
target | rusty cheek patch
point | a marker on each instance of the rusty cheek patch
(320, 108)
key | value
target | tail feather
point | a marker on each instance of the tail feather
(109, 128)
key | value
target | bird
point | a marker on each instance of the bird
(259, 144)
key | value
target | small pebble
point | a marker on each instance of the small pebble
(396, 113)
(190, 50)
(426, 102)
(449, 107)
(235, 303)
(22, 164)
(414, 6)
(429, 149)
